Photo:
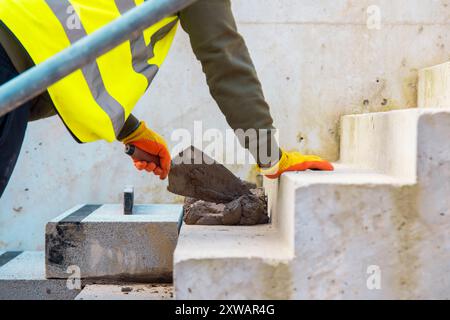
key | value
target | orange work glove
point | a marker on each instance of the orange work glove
(295, 161)
(152, 143)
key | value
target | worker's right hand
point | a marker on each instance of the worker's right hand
(152, 143)
(295, 161)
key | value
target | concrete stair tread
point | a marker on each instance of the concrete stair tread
(400, 112)
(217, 242)
(114, 213)
(344, 174)
(416, 110)
(126, 292)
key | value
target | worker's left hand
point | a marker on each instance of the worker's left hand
(295, 161)
(152, 143)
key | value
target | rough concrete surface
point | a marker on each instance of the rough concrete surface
(23, 278)
(229, 262)
(108, 246)
(434, 87)
(384, 142)
(126, 292)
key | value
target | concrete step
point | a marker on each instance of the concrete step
(434, 87)
(337, 235)
(395, 142)
(397, 233)
(108, 246)
(256, 262)
(22, 277)
(213, 262)
(126, 292)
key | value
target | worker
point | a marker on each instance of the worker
(95, 103)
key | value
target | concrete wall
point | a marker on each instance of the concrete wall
(317, 60)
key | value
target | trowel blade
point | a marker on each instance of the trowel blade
(194, 174)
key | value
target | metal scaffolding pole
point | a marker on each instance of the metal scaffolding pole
(36, 80)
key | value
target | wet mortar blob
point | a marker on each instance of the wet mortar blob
(214, 195)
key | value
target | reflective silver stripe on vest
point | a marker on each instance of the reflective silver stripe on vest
(91, 71)
(139, 51)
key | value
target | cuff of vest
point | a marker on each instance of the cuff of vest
(274, 169)
(129, 127)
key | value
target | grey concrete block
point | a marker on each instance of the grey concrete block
(108, 246)
(23, 278)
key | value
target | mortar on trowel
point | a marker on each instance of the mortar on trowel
(214, 195)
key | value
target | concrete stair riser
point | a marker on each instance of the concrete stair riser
(342, 231)
(433, 167)
(434, 87)
(233, 278)
(384, 142)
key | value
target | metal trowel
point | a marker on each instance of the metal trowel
(194, 174)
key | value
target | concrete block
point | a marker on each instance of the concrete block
(22, 277)
(126, 292)
(434, 87)
(107, 245)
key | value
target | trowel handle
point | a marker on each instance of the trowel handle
(140, 155)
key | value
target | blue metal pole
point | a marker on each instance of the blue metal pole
(36, 80)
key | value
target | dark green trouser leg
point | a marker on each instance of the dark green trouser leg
(229, 70)
(12, 126)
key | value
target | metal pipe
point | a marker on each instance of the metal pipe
(36, 80)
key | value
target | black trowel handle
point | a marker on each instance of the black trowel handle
(140, 155)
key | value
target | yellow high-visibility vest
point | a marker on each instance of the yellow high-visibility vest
(93, 102)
